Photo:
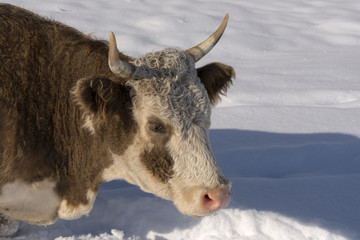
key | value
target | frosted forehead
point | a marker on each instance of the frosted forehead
(168, 79)
(168, 62)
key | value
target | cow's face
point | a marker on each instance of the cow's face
(172, 109)
(163, 146)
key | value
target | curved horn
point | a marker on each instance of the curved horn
(203, 48)
(120, 68)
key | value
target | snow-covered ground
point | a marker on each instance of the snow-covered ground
(287, 135)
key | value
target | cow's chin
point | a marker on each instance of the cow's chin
(194, 210)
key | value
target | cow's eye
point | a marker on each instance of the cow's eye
(157, 127)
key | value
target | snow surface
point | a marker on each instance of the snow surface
(287, 135)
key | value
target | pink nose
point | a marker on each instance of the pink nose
(216, 199)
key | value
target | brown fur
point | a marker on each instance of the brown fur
(41, 128)
(109, 103)
(157, 159)
(217, 78)
(159, 162)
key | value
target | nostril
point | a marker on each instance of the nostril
(215, 199)
(207, 198)
(211, 202)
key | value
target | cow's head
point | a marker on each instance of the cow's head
(168, 151)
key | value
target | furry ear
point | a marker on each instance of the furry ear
(95, 95)
(217, 78)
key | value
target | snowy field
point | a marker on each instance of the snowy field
(287, 135)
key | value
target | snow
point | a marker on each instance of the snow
(287, 134)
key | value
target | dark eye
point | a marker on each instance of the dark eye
(157, 127)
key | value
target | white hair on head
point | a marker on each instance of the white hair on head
(168, 79)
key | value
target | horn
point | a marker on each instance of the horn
(120, 68)
(203, 48)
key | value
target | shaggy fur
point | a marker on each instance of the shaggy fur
(42, 138)
(172, 87)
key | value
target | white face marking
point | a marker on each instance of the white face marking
(69, 212)
(36, 203)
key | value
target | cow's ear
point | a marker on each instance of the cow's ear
(93, 94)
(217, 78)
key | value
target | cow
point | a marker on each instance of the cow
(75, 112)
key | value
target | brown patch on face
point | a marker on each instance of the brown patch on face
(157, 159)
(159, 162)
(120, 132)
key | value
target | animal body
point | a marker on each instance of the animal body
(75, 112)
